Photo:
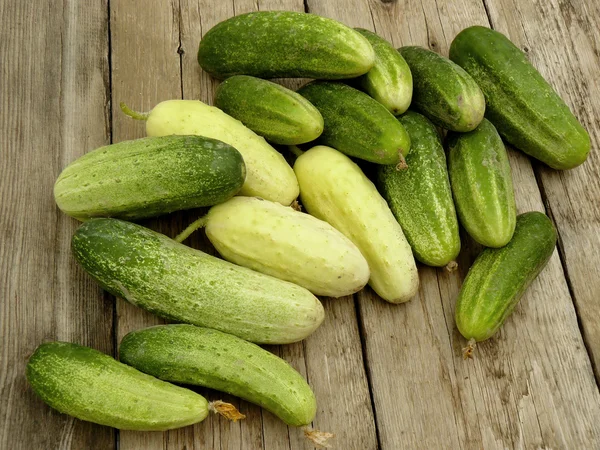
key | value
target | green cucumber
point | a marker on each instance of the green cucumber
(443, 91)
(273, 44)
(92, 386)
(499, 277)
(420, 196)
(356, 124)
(287, 244)
(268, 175)
(482, 184)
(191, 355)
(334, 189)
(524, 108)
(270, 110)
(149, 177)
(389, 81)
(180, 283)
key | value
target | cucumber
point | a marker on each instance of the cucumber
(92, 386)
(499, 277)
(482, 184)
(200, 356)
(149, 177)
(270, 110)
(272, 44)
(179, 283)
(443, 91)
(420, 197)
(525, 109)
(389, 81)
(334, 189)
(287, 244)
(356, 124)
(268, 175)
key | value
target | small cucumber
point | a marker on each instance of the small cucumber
(525, 109)
(92, 386)
(287, 244)
(420, 196)
(270, 110)
(187, 354)
(389, 81)
(268, 175)
(334, 189)
(499, 277)
(443, 91)
(273, 44)
(149, 177)
(482, 185)
(179, 283)
(356, 124)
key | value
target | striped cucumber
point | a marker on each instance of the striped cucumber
(334, 189)
(420, 196)
(482, 185)
(179, 283)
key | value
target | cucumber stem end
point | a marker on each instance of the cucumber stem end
(227, 410)
(402, 164)
(451, 266)
(469, 349)
(133, 114)
(317, 438)
(199, 223)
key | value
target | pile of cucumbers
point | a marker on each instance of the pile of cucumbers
(277, 259)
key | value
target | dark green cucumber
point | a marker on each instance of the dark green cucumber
(443, 91)
(200, 356)
(356, 124)
(499, 277)
(270, 110)
(149, 177)
(389, 81)
(524, 108)
(92, 386)
(420, 196)
(272, 44)
(482, 184)
(180, 283)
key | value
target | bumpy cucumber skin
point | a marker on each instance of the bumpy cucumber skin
(356, 124)
(420, 196)
(499, 277)
(525, 109)
(200, 356)
(389, 81)
(334, 189)
(149, 177)
(179, 283)
(92, 386)
(481, 182)
(268, 175)
(273, 44)
(287, 244)
(443, 91)
(270, 110)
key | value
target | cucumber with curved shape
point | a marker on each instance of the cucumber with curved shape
(270, 110)
(420, 196)
(149, 177)
(284, 44)
(525, 109)
(186, 354)
(268, 175)
(183, 284)
(443, 91)
(92, 386)
(389, 81)
(334, 189)
(482, 185)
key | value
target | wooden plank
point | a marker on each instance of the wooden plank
(53, 95)
(561, 40)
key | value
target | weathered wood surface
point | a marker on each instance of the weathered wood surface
(66, 67)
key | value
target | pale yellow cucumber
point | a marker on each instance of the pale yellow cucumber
(334, 189)
(268, 175)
